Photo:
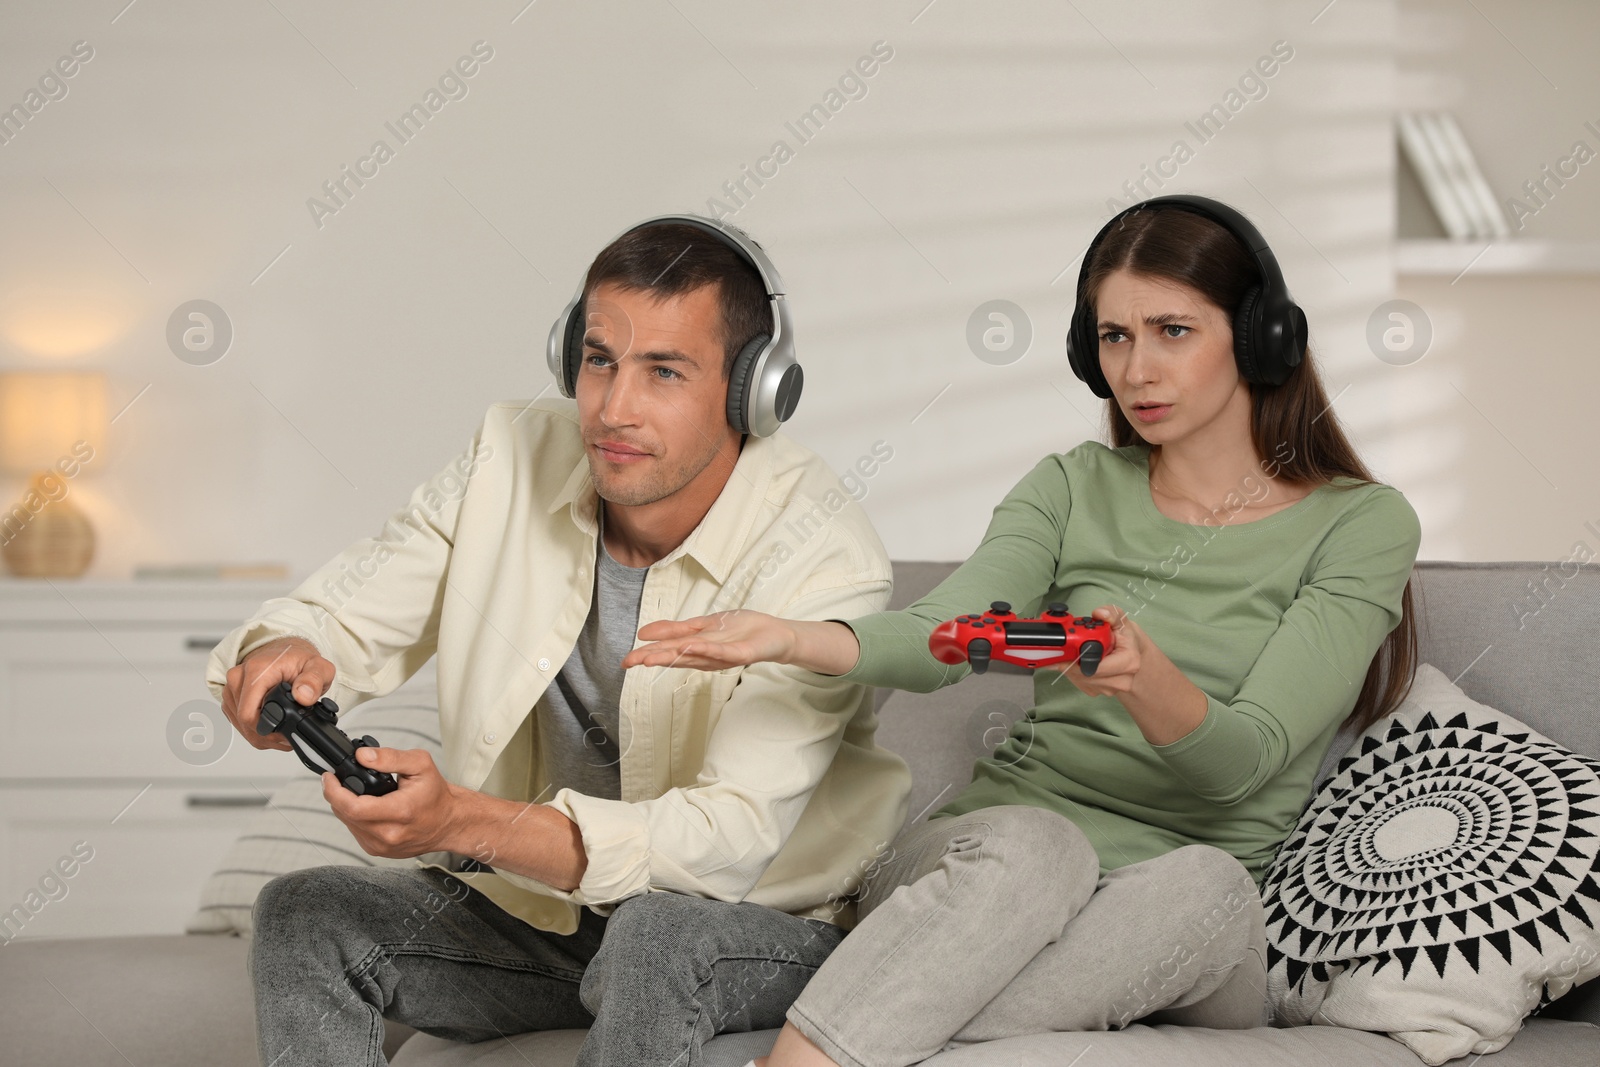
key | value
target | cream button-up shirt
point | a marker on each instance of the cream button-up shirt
(760, 783)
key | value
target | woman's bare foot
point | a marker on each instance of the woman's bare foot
(794, 1049)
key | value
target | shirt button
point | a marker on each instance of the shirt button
(544, 664)
(488, 739)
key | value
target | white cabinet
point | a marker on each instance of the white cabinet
(92, 675)
(89, 860)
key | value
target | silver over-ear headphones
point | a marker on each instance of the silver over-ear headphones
(765, 381)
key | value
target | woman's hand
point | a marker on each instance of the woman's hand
(1119, 668)
(1160, 699)
(742, 637)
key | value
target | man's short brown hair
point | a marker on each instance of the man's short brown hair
(670, 258)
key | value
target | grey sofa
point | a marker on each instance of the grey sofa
(186, 999)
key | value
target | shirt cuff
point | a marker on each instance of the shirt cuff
(616, 842)
(233, 649)
(894, 654)
(1214, 710)
(1218, 758)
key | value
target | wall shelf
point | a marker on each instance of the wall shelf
(1499, 256)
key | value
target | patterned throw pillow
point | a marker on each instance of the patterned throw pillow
(297, 828)
(1442, 884)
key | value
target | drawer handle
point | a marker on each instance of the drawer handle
(226, 800)
(201, 644)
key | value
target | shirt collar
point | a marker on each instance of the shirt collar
(718, 542)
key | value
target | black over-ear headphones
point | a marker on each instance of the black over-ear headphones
(1269, 329)
(765, 381)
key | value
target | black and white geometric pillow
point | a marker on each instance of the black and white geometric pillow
(1442, 883)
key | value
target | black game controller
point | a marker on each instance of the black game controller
(319, 742)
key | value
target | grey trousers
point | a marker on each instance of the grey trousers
(337, 950)
(997, 923)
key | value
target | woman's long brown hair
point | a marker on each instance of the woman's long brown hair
(1178, 245)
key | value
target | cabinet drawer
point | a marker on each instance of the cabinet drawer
(97, 702)
(144, 870)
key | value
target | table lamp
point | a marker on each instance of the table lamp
(52, 430)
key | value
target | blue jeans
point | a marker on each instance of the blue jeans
(337, 950)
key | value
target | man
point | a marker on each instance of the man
(660, 854)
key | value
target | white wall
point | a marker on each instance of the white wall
(1501, 410)
(976, 167)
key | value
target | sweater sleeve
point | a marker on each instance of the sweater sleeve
(1311, 670)
(1016, 562)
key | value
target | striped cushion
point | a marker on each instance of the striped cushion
(297, 828)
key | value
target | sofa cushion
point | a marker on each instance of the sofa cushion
(1442, 883)
(297, 829)
(559, 1048)
(1542, 1043)
(112, 1001)
(1518, 637)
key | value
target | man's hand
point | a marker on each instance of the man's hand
(429, 814)
(420, 816)
(292, 659)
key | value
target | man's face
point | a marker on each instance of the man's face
(650, 391)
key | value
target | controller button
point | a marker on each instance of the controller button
(978, 655)
(355, 785)
(989, 621)
(1000, 607)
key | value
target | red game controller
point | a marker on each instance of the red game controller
(1055, 637)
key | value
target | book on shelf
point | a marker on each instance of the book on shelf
(1476, 185)
(1450, 176)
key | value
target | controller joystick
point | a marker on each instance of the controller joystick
(313, 732)
(999, 635)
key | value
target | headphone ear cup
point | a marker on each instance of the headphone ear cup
(1245, 349)
(739, 381)
(1083, 353)
(1295, 343)
(572, 350)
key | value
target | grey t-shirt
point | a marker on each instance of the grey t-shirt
(578, 723)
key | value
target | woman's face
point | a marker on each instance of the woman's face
(1167, 353)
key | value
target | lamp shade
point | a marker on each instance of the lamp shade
(43, 414)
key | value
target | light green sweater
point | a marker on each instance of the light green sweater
(1276, 620)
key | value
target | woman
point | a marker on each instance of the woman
(1103, 864)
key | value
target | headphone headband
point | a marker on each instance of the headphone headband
(765, 381)
(1269, 328)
